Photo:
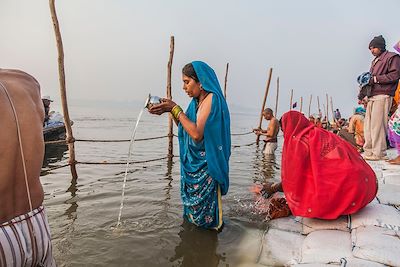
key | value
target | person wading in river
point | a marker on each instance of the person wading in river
(271, 133)
(204, 145)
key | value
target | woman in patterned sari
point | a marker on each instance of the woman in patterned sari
(204, 145)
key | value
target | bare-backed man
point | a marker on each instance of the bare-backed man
(271, 133)
(24, 231)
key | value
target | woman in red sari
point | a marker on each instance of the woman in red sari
(322, 175)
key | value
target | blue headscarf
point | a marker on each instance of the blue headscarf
(217, 135)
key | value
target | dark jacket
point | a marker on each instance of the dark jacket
(386, 68)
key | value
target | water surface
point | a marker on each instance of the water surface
(83, 213)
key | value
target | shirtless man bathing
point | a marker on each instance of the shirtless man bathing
(271, 133)
(24, 230)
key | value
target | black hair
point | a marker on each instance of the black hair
(189, 71)
(268, 110)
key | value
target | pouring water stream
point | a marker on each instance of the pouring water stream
(149, 100)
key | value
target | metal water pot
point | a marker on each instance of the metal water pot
(152, 100)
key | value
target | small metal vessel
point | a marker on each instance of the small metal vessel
(152, 100)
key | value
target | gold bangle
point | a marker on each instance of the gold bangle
(176, 110)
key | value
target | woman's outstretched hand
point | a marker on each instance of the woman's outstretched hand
(166, 105)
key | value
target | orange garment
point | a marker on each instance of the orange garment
(356, 127)
(396, 97)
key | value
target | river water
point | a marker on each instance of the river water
(83, 213)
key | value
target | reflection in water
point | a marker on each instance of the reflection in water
(53, 154)
(71, 211)
(168, 178)
(198, 247)
(265, 166)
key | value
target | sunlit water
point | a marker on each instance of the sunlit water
(83, 213)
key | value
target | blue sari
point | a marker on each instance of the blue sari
(205, 164)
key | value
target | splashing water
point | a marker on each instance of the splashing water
(127, 166)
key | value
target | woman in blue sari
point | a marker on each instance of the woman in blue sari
(204, 145)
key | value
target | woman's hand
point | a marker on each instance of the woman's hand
(166, 105)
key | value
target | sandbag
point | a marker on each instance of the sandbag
(289, 224)
(393, 179)
(311, 225)
(355, 262)
(281, 248)
(314, 265)
(326, 246)
(389, 194)
(376, 244)
(378, 215)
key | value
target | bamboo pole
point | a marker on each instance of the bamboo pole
(333, 113)
(327, 108)
(169, 96)
(61, 72)
(309, 106)
(326, 115)
(226, 78)
(277, 97)
(291, 99)
(319, 107)
(301, 104)
(263, 104)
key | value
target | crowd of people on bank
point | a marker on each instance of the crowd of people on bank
(323, 175)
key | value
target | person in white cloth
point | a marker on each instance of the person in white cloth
(271, 133)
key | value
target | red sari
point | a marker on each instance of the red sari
(322, 175)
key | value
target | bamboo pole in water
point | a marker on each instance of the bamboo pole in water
(61, 72)
(309, 106)
(291, 99)
(169, 96)
(263, 104)
(301, 104)
(226, 78)
(277, 97)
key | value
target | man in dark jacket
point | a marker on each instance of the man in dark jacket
(385, 75)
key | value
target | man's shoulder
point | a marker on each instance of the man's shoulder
(390, 55)
(18, 75)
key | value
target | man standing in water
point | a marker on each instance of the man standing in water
(271, 133)
(385, 74)
(24, 230)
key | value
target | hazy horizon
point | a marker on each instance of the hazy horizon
(118, 51)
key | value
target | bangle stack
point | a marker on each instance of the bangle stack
(176, 111)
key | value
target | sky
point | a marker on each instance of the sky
(116, 51)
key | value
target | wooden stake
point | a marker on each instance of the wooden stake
(226, 78)
(291, 99)
(327, 108)
(63, 91)
(263, 104)
(277, 97)
(169, 96)
(333, 113)
(309, 106)
(301, 104)
(319, 107)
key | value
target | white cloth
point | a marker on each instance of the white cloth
(270, 148)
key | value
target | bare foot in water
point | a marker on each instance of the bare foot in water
(395, 161)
